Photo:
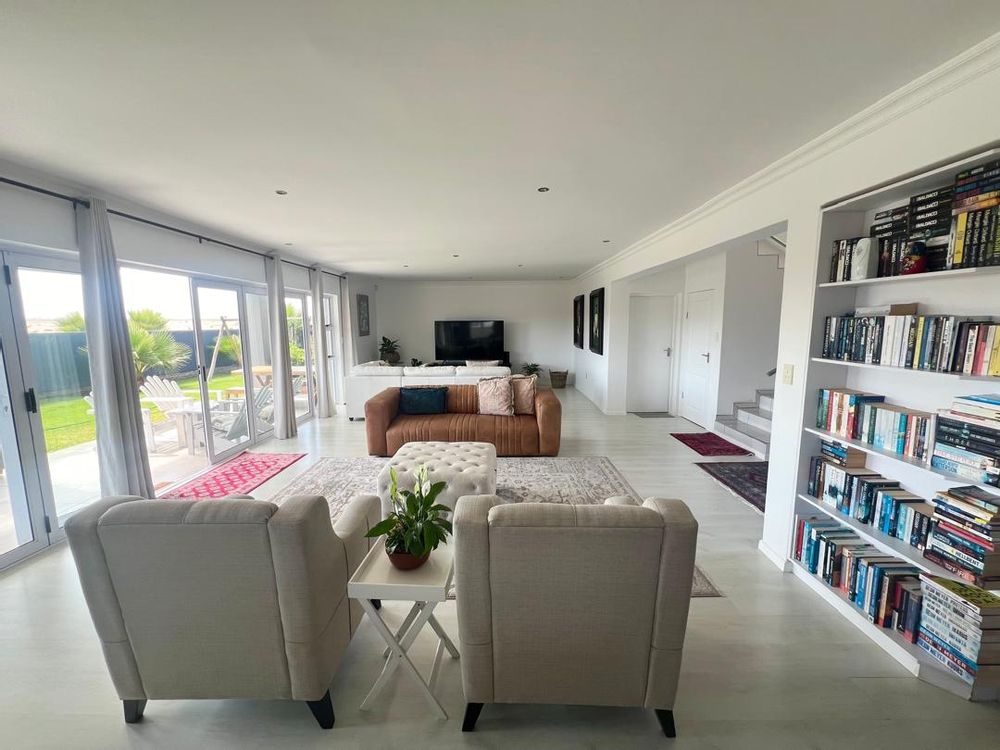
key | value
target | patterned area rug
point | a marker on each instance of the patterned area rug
(748, 479)
(709, 444)
(235, 477)
(584, 480)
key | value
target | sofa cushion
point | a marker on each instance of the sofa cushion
(376, 370)
(496, 396)
(524, 393)
(512, 436)
(465, 371)
(429, 371)
(482, 363)
(422, 400)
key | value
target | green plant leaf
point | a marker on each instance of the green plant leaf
(382, 527)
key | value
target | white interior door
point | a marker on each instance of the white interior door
(696, 364)
(650, 352)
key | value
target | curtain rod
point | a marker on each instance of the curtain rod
(200, 237)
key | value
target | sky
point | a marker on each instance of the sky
(48, 295)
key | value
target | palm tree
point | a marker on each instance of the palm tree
(71, 323)
(148, 319)
(154, 350)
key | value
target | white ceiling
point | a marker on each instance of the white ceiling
(406, 132)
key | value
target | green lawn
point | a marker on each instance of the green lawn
(66, 422)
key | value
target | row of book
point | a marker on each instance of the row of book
(967, 438)
(974, 238)
(870, 498)
(959, 628)
(885, 589)
(965, 534)
(866, 417)
(942, 343)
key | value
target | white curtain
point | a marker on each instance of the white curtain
(281, 364)
(121, 443)
(324, 402)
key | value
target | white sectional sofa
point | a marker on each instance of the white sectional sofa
(365, 380)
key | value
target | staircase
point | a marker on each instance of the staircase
(749, 426)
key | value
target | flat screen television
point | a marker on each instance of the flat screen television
(456, 340)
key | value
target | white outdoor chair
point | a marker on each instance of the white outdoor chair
(148, 427)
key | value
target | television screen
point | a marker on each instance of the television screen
(468, 339)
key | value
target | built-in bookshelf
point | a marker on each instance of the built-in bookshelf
(970, 292)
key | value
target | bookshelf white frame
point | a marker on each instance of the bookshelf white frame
(965, 291)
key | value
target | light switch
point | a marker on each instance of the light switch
(788, 374)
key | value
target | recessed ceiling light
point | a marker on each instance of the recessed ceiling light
(520, 265)
(454, 255)
(288, 244)
(605, 241)
(281, 192)
(543, 189)
(406, 265)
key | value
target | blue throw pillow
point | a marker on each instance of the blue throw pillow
(422, 400)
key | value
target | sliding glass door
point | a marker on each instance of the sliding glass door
(225, 391)
(299, 354)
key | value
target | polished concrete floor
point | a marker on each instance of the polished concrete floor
(768, 666)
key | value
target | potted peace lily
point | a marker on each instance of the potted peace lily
(417, 525)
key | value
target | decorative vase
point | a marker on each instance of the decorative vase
(406, 561)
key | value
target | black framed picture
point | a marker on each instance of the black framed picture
(364, 321)
(578, 322)
(597, 321)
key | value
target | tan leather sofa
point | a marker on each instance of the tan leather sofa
(573, 604)
(520, 435)
(232, 598)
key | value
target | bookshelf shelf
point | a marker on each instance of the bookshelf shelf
(866, 366)
(967, 292)
(916, 463)
(931, 276)
(910, 656)
(889, 545)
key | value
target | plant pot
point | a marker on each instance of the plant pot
(558, 378)
(406, 561)
(391, 357)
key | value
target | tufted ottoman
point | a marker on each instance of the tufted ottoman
(468, 468)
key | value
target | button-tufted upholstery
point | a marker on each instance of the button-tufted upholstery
(468, 468)
(518, 435)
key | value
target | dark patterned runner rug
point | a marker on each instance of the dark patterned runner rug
(748, 479)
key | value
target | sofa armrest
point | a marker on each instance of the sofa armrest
(474, 598)
(548, 412)
(361, 513)
(99, 592)
(380, 410)
(620, 500)
(673, 598)
(310, 571)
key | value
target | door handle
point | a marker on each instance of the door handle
(707, 356)
(669, 350)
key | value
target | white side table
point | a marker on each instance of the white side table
(426, 587)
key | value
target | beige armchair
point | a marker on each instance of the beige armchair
(233, 598)
(573, 604)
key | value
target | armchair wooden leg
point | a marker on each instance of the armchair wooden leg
(323, 711)
(133, 710)
(666, 722)
(472, 711)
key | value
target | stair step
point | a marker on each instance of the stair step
(755, 417)
(765, 399)
(744, 435)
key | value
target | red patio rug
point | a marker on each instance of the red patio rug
(709, 444)
(235, 477)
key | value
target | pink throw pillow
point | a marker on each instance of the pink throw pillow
(524, 393)
(496, 397)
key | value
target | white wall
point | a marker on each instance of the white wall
(751, 314)
(538, 321)
(905, 132)
(362, 348)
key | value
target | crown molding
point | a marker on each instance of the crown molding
(974, 62)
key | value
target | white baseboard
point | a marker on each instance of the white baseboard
(780, 561)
